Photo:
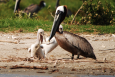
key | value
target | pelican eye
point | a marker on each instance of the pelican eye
(40, 32)
(57, 12)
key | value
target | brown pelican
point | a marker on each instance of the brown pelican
(72, 43)
(69, 13)
(33, 8)
(35, 49)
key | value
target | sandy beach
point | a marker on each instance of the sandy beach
(15, 58)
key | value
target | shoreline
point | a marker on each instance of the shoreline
(16, 56)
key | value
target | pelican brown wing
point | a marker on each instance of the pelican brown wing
(78, 42)
(32, 8)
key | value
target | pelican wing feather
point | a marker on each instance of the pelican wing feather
(79, 42)
(32, 8)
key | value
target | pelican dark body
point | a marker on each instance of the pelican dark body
(33, 8)
(75, 44)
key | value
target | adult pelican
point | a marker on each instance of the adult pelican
(72, 43)
(33, 8)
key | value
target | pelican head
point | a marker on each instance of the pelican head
(40, 35)
(40, 31)
(42, 4)
(60, 15)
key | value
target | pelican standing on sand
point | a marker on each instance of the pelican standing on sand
(43, 48)
(72, 43)
(35, 49)
(33, 8)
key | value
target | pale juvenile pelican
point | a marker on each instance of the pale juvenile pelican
(50, 46)
(53, 43)
(45, 47)
(35, 49)
(74, 44)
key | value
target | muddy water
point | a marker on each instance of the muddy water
(53, 72)
(19, 75)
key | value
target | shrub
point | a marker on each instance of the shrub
(22, 14)
(97, 13)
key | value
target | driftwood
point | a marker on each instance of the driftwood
(29, 67)
(9, 41)
(3, 67)
(55, 61)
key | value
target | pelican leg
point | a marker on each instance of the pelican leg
(72, 56)
(78, 56)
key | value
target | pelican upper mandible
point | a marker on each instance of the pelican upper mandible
(75, 44)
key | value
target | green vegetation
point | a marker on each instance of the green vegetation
(10, 22)
(27, 25)
(97, 13)
(32, 25)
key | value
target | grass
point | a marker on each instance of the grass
(6, 9)
(8, 21)
(32, 25)
(96, 29)
(28, 25)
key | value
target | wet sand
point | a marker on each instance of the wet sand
(15, 59)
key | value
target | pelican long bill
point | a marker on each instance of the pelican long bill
(56, 23)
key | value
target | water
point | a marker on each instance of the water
(18, 75)
(71, 75)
